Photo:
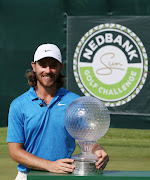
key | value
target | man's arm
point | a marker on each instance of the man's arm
(31, 161)
(102, 156)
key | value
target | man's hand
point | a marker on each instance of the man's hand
(62, 166)
(101, 155)
(103, 159)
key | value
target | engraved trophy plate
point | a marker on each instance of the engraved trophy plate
(87, 119)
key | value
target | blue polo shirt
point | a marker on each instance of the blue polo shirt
(41, 127)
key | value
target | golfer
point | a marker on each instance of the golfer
(36, 136)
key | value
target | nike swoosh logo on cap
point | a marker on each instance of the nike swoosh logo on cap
(47, 50)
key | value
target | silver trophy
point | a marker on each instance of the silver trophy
(87, 119)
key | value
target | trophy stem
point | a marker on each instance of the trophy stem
(86, 146)
(86, 154)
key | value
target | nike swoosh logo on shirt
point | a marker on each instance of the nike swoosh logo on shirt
(59, 104)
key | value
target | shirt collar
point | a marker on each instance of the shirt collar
(61, 92)
(33, 95)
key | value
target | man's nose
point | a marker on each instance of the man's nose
(48, 69)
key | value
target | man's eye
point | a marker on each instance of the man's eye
(41, 64)
(52, 66)
(44, 66)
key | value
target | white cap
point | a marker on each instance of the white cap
(47, 50)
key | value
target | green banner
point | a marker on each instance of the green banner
(108, 58)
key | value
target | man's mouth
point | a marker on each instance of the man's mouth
(48, 76)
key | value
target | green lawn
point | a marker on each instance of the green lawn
(129, 149)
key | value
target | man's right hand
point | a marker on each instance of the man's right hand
(62, 166)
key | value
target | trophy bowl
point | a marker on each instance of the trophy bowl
(87, 119)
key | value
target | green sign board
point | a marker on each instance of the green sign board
(108, 59)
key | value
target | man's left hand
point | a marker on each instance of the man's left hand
(103, 159)
(102, 156)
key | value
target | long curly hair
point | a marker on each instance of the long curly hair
(32, 80)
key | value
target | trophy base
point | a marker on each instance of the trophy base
(85, 164)
(85, 168)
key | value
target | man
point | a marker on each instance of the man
(37, 138)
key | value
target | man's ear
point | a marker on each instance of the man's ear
(33, 66)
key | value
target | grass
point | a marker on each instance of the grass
(128, 149)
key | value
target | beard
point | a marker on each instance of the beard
(47, 80)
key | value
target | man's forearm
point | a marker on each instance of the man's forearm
(29, 160)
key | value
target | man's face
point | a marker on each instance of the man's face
(47, 71)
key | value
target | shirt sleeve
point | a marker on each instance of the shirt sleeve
(15, 132)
